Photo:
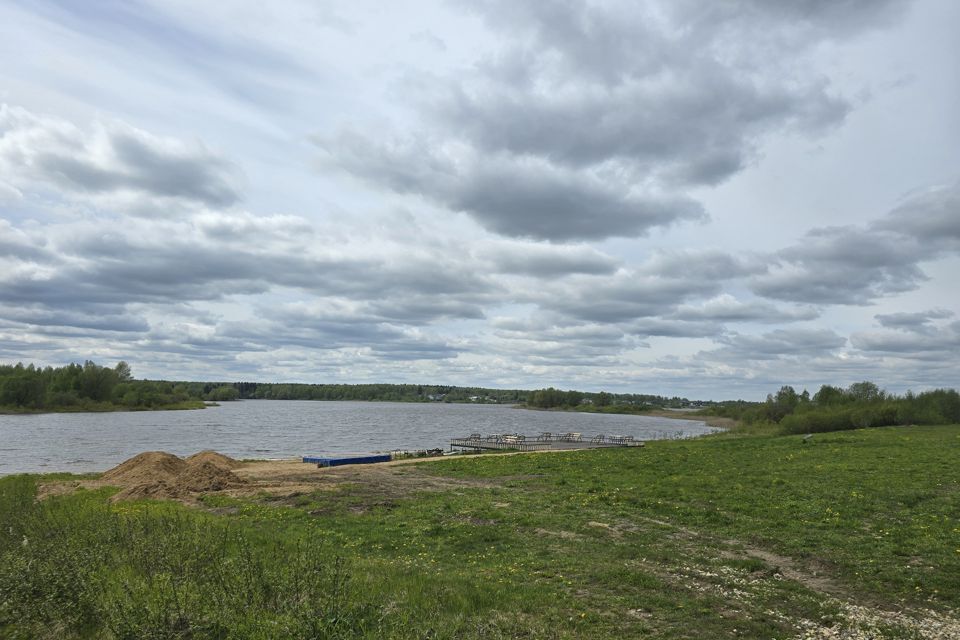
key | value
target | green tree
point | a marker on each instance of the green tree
(828, 395)
(123, 371)
(782, 404)
(864, 392)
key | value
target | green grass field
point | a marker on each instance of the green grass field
(729, 536)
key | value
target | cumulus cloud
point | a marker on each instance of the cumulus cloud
(624, 297)
(843, 265)
(539, 341)
(919, 321)
(858, 264)
(594, 120)
(726, 308)
(931, 217)
(513, 196)
(821, 17)
(40, 317)
(704, 264)
(780, 343)
(110, 158)
(911, 341)
(331, 326)
(151, 262)
(546, 260)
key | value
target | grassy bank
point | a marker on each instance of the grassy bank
(754, 536)
(104, 407)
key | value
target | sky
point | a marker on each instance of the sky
(709, 200)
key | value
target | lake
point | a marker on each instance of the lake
(83, 442)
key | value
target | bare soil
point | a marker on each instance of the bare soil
(164, 476)
(160, 475)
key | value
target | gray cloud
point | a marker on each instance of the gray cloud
(856, 265)
(39, 316)
(726, 308)
(780, 343)
(701, 264)
(824, 16)
(547, 261)
(147, 263)
(87, 274)
(112, 158)
(519, 197)
(927, 342)
(15, 243)
(655, 289)
(674, 328)
(425, 308)
(692, 126)
(920, 321)
(843, 265)
(932, 217)
(540, 201)
(540, 342)
(622, 298)
(593, 120)
(328, 327)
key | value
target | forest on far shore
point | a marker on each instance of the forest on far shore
(92, 387)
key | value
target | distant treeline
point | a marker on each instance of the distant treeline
(376, 392)
(87, 387)
(542, 398)
(602, 402)
(91, 387)
(862, 404)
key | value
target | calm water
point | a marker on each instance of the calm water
(80, 442)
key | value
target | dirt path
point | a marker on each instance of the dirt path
(861, 618)
(391, 479)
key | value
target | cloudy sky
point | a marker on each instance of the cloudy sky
(675, 197)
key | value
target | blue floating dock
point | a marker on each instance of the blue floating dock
(336, 462)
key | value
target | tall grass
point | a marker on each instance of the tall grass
(155, 571)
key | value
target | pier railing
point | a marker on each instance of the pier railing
(503, 442)
(544, 441)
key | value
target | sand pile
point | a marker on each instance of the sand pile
(161, 475)
(218, 459)
(207, 476)
(150, 466)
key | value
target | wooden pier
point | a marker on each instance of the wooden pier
(543, 442)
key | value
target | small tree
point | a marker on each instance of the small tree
(123, 371)
(782, 404)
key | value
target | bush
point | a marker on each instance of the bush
(817, 421)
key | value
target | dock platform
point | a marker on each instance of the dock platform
(543, 442)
